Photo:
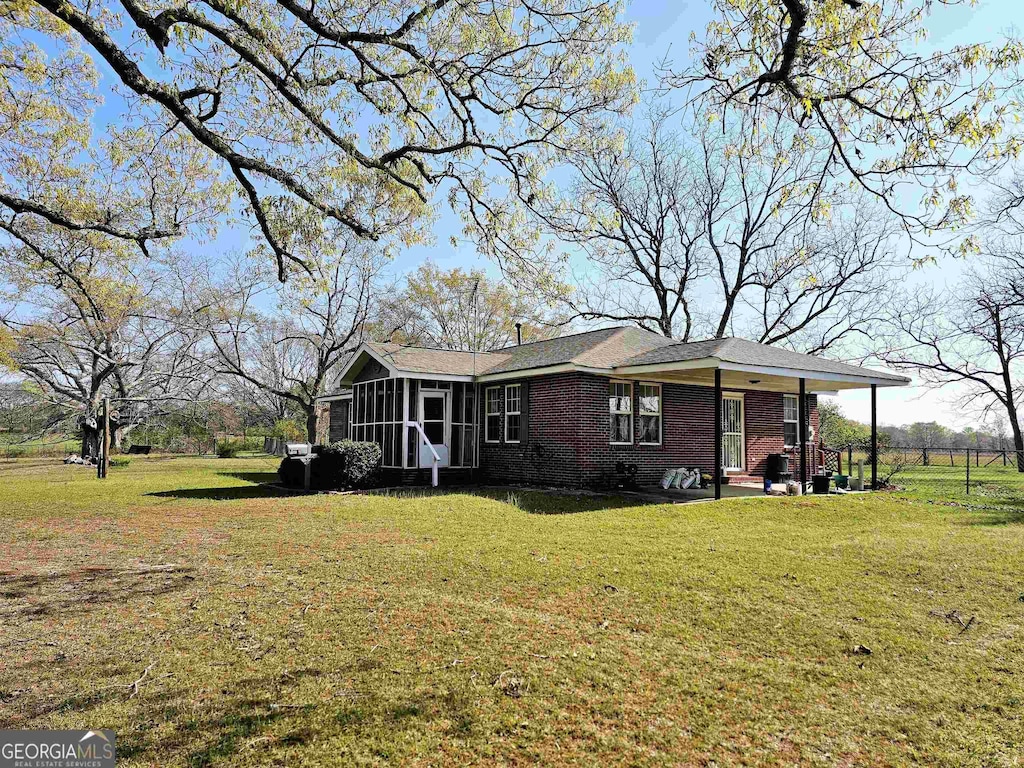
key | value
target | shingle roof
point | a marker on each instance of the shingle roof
(746, 352)
(605, 348)
(610, 348)
(427, 360)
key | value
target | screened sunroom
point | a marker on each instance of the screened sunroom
(387, 411)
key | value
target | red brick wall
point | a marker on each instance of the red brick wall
(567, 440)
(340, 420)
(549, 453)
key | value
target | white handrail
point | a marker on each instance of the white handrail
(430, 445)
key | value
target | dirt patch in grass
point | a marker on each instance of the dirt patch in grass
(55, 594)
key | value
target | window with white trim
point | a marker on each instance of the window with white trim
(650, 414)
(492, 420)
(790, 420)
(513, 412)
(620, 412)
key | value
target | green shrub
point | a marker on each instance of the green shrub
(120, 461)
(15, 451)
(229, 449)
(360, 462)
(328, 470)
(252, 443)
(290, 430)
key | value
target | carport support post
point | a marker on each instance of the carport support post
(718, 434)
(802, 418)
(874, 437)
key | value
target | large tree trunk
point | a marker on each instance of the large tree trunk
(90, 427)
(1018, 439)
(310, 422)
(1014, 418)
(118, 434)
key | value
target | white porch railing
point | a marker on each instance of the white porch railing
(436, 458)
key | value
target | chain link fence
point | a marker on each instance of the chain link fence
(941, 471)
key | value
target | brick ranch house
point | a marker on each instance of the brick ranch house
(573, 410)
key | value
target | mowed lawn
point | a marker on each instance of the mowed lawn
(210, 622)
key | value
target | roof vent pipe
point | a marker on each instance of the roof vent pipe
(519, 333)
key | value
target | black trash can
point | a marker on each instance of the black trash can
(777, 469)
(819, 483)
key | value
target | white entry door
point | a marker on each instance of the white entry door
(732, 432)
(433, 417)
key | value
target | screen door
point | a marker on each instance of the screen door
(732, 432)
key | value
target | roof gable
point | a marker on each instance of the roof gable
(439, 361)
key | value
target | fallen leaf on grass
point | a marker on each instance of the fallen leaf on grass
(510, 684)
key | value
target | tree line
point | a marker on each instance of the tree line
(838, 431)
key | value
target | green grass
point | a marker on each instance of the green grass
(451, 628)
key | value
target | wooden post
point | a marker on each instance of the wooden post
(968, 471)
(99, 445)
(718, 434)
(802, 437)
(874, 437)
(104, 464)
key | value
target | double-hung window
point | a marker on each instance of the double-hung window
(620, 412)
(492, 421)
(650, 414)
(790, 420)
(513, 406)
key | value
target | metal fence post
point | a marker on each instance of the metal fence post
(849, 457)
(968, 471)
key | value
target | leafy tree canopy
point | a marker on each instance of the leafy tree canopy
(464, 310)
(352, 112)
(859, 77)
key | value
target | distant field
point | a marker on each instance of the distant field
(14, 446)
(208, 620)
(943, 477)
